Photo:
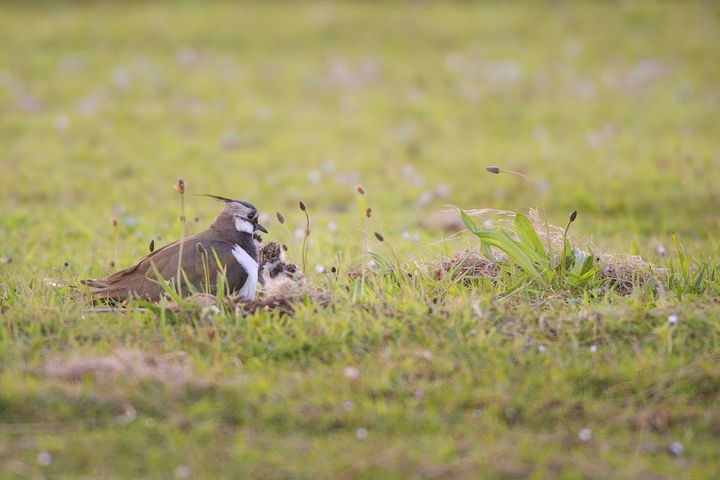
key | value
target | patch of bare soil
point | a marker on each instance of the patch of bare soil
(172, 369)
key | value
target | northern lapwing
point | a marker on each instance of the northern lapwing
(273, 266)
(228, 244)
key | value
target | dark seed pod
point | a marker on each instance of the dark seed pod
(360, 189)
(333, 270)
(493, 170)
(66, 264)
(151, 247)
(180, 186)
(114, 222)
(573, 215)
(284, 247)
(379, 237)
(368, 213)
(280, 218)
(302, 206)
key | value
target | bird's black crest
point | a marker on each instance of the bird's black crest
(225, 199)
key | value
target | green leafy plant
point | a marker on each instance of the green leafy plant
(688, 276)
(523, 248)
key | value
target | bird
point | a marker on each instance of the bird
(229, 245)
(273, 266)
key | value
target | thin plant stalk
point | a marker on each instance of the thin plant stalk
(206, 271)
(392, 252)
(306, 234)
(115, 242)
(367, 213)
(571, 219)
(363, 272)
(288, 236)
(180, 188)
(497, 170)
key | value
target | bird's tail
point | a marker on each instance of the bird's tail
(95, 283)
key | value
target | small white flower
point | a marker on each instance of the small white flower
(328, 166)
(319, 269)
(121, 78)
(676, 448)
(314, 176)
(44, 458)
(488, 225)
(424, 199)
(372, 264)
(182, 472)
(361, 433)
(351, 373)
(442, 190)
(263, 114)
(347, 405)
(593, 348)
(406, 235)
(661, 250)
(427, 354)
(540, 348)
(332, 227)
(585, 435)
(672, 319)
(61, 122)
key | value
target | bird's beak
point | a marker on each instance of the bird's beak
(261, 228)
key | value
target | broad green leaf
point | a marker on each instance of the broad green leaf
(526, 234)
(469, 224)
(511, 249)
(697, 286)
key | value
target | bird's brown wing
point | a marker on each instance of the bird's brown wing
(140, 279)
(203, 259)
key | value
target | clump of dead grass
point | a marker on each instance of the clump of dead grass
(283, 295)
(467, 266)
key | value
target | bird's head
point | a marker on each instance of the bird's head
(243, 214)
(270, 253)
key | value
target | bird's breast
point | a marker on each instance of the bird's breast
(250, 265)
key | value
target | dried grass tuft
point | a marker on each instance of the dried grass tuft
(625, 272)
(468, 265)
(282, 295)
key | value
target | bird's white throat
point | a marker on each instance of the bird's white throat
(247, 291)
(243, 226)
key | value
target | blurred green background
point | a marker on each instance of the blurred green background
(610, 107)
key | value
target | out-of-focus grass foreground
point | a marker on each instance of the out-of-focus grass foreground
(439, 353)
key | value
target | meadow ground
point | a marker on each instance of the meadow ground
(610, 108)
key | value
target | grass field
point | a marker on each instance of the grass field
(610, 108)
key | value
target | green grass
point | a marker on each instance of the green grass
(611, 109)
